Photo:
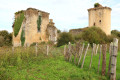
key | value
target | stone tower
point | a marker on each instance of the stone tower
(100, 16)
(30, 26)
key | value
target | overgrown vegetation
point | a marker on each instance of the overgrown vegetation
(24, 65)
(64, 38)
(5, 38)
(116, 33)
(96, 4)
(94, 35)
(39, 23)
(18, 23)
(22, 37)
(19, 12)
(90, 35)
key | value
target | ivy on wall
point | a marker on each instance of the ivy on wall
(39, 23)
(22, 38)
(18, 23)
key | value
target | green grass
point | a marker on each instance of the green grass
(24, 65)
(18, 23)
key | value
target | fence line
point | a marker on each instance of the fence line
(77, 52)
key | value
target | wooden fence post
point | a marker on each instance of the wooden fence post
(104, 49)
(110, 47)
(94, 48)
(84, 56)
(81, 53)
(47, 49)
(91, 57)
(36, 49)
(114, 59)
(69, 50)
(97, 48)
(99, 57)
(64, 50)
(110, 52)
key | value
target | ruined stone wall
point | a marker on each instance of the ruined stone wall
(52, 31)
(100, 17)
(16, 40)
(29, 25)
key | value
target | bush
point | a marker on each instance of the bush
(58, 31)
(1, 41)
(94, 35)
(7, 38)
(33, 44)
(115, 32)
(64, 38)
(96, 4)
(78, 37)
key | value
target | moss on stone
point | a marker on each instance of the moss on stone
(18, 23)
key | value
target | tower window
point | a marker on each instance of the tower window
(99, 21)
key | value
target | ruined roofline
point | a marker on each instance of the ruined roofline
(38, 10)
(99, 8)
(79, 29)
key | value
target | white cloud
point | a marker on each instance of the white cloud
(67, 14)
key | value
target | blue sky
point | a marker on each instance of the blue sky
(67, 14)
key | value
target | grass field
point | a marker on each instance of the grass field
(24, 65)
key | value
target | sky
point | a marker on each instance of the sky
(66, 14)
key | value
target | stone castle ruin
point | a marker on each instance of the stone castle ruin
(99, 16)
(31, 26)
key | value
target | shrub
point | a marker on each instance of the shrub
(58, 31)
(18, 23)
(96, 4)
(115, 32)
(1, 41)
(33, 44)
(7, 38)
(78, 37)
(94, 35)
(50, 42)
(64, 38)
